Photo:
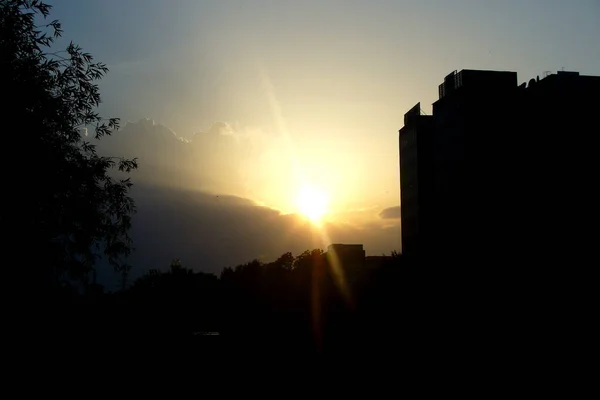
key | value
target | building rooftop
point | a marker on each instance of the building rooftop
(345, 246)
(481, 79)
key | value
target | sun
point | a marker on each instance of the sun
(312, 203)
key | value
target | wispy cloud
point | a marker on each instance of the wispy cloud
(390, 213)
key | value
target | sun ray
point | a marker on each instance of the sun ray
(316, 205)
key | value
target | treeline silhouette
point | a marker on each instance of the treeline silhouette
(294, 306)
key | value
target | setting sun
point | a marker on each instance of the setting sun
(312, 203)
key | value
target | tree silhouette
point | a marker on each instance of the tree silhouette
(66, 202)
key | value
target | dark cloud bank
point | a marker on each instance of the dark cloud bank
(390, 213)
(209, 231)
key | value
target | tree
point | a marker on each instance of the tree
(285, 261)
(65, 206)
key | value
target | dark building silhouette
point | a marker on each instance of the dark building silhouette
(493, 168)
(350, 256)
(415, 168)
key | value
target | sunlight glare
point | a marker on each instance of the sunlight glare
(312, 203)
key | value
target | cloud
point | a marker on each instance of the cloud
(390, 213)
(220, 128)
(209, 232)
(219, 160)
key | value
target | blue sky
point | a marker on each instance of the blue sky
(329, 80)
(403, 48)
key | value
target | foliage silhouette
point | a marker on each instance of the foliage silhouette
(64, 197)
(290, 308)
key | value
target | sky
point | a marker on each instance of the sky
(276, 96)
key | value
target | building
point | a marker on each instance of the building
(478, 178)
(347, 260)
(415, 168)
(350, 256)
